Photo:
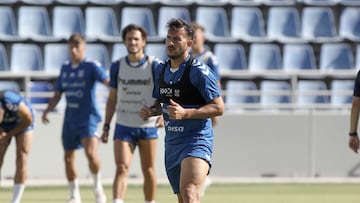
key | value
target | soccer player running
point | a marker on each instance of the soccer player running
(77, 81)
(188, 93)
(131, 85)
(16, 121)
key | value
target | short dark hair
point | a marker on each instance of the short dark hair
(77, 38)
(177, 23)
(132, 27)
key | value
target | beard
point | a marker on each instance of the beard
(176, 54)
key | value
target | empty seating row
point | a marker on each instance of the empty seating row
(283, 24)
(291, 57)
(186, 2)
(306, 92)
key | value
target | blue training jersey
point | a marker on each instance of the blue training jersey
(78, 84)
(10, 101)
(188, 130)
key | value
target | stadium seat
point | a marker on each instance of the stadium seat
(67, 20)
(218, 3)
(240, 92)
(232, 56)
(320, 2)
(166, 13)
(284, 25)
(156, 49)
(34, 23)
(215, 22)
(263, 56)
(349, 25)
(176, 2)
(279, 2)
(118, 50)
(336, 56)
(141, 2)
(4, 63)
(318, 25)
(55, 54)
(72, 2)
(101, 24)
(8, 25)
(357, 57)
(246, 2)
(105, 2)
(9, 2)
(247, 24)
(341, 91)
(312, 92)
(37, 2)
(26, 58)
(141, 16)
(99, 53)
(297, 57)
(275, 92)
(9, 85)
(349, 2)
(39, 90)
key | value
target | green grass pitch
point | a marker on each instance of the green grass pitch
(223, 193)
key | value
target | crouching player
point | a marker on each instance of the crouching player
(16, 121)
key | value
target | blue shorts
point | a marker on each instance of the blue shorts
(71, 137)
(176, 153)
(132, 135)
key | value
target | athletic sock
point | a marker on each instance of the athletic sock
(118, 201)
(18, 191)
(74, 188)
(97, 182)
(153, 201)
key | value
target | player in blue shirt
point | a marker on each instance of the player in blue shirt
(354, 116)
(131, 85)
(77, 81)
(189, 96)
(16, 121)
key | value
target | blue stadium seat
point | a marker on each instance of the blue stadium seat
(72, 2)
(240, 92)
(25, 58)
(141, 2)
(8, 25)
(218, 3)
(312, 92)
(4, 62)
(320, 2)
(118, 50)
(318, 25)
(39, 90)
(215, 22)
(38, 2)
(176, 2)
(98, 52)
(336, 56)
(9, 85)
(349, 2)
(298, 57)
(341, 91)
(101, 24)
(263, 56)
(34, 23)
(55, 54)
(105, 2)
(284, 25)
(349, 25)
(279, 2)
(247, 24)
(275, 92)
(67, 20)
(232, 56)
(166, 13)
(156, 49)
(246, 2)
(9, 2)
(141, 16)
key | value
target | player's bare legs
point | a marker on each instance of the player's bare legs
(123, 152)
(71, 175)
(23, 145)
(147, 151)
(192, 177)
(4, 143)
(91, 146)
